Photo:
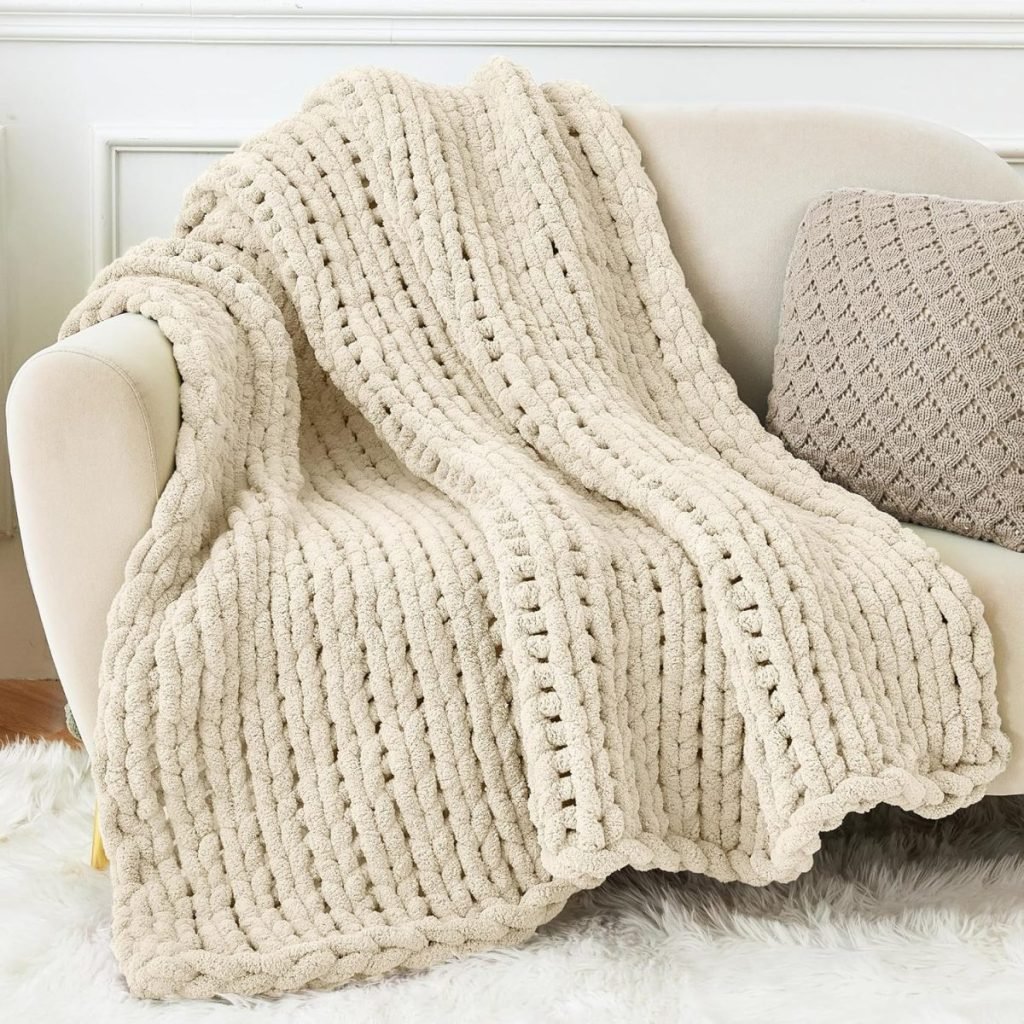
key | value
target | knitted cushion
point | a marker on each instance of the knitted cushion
(899, 371)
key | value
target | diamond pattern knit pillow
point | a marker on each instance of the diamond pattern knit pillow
(899, 372)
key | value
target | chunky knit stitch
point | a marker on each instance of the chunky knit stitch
(475, 581)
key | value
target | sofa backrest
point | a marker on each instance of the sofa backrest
(733, 184)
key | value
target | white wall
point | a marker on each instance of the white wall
(108, 107)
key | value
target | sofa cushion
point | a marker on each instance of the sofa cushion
(899, 371)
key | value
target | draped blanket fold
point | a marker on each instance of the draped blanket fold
(475, 581)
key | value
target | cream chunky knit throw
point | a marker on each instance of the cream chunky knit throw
(475, 581)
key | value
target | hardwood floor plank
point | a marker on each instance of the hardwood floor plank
(33, 708)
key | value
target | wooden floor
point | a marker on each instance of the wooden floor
(33, 708)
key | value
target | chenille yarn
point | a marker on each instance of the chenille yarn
(475, 581)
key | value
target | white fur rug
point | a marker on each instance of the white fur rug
(902, 920)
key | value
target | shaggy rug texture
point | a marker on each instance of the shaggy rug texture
(475, 581)
(900, 919)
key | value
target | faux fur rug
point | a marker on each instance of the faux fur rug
(901, 919)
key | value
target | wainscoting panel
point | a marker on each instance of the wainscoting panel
(140, 174)
(6, 353)
(109, 108)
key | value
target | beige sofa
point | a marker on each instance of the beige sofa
(93, 422)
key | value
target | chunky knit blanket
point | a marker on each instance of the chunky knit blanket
(475, 581)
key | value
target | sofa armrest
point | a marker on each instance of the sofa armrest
(92, 426)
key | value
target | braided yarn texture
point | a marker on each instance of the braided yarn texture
(475, 581)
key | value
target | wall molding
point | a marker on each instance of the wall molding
(111, 141)
(1010, 148)
(728, 23)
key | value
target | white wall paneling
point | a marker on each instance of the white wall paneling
(6, 496)
(140, 174)
(108, 108)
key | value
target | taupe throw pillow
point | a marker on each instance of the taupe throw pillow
(899, 371)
